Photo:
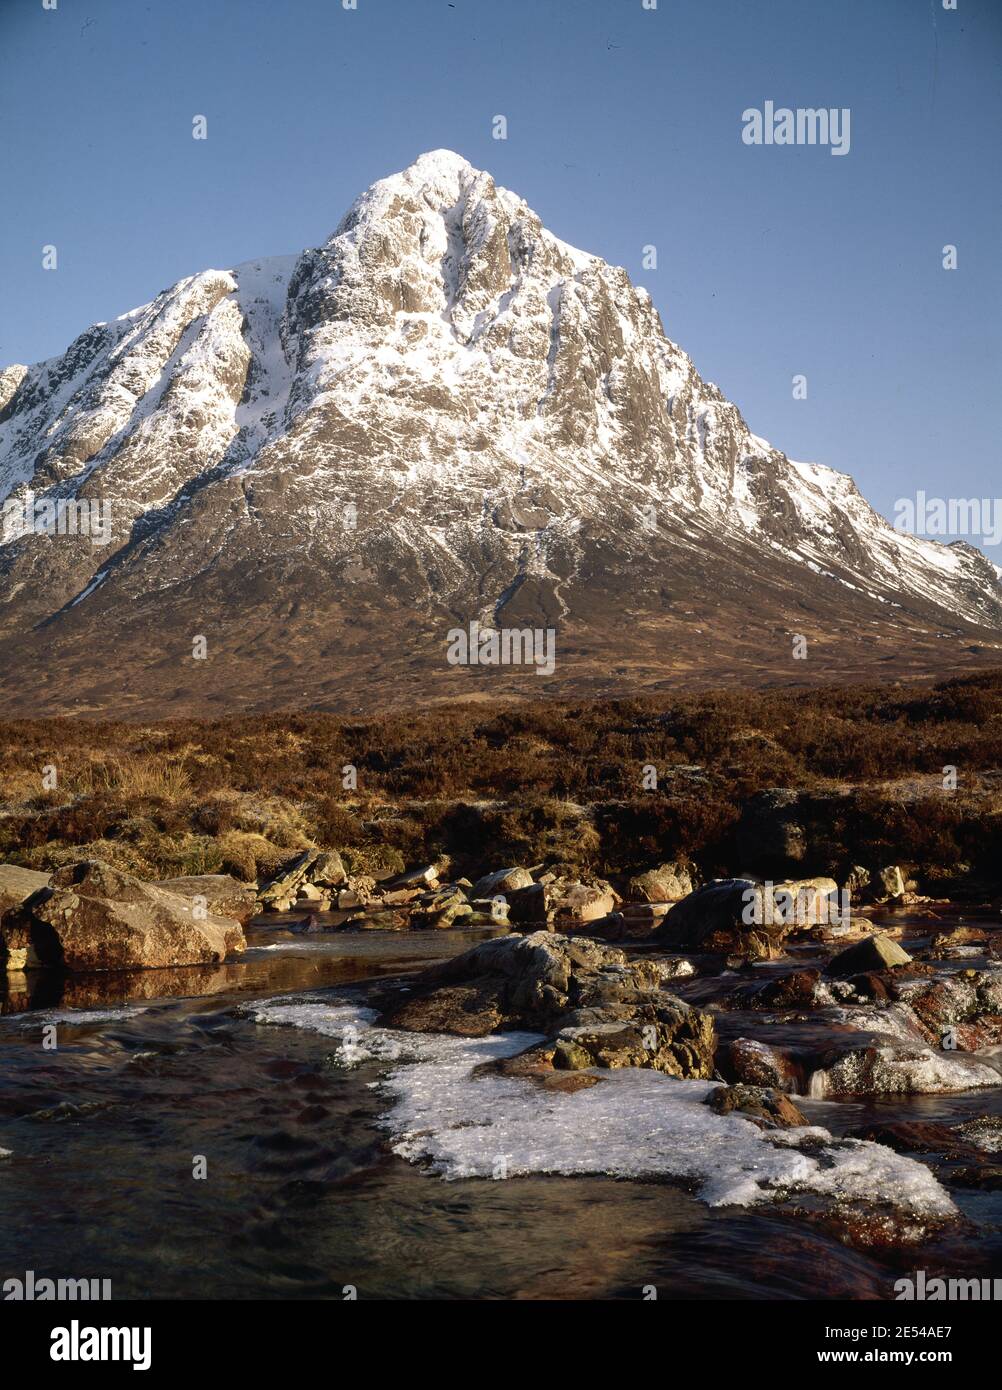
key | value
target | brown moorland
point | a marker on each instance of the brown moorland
(523, 782)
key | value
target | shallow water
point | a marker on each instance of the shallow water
(303, 1194)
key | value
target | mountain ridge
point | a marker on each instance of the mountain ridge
(443, 414)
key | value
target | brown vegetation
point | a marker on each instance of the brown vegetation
(555, 781)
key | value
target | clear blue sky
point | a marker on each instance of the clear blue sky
(624, 129)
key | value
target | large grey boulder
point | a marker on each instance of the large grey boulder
(601, 1009)
(16, 886)
(739, 917)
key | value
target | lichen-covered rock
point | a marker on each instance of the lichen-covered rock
(93, 917)
(581, 992)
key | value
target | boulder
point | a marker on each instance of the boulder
(650, 914)
(328, 871)
(676, 968)
(670, 1037)
(377, 921)
(530, 906)
(892, 1067)
(759, 1064)
(961, 1012)
(496, 909)
(633, 923)
(808, 902)
(954, 937)
(93, 917)
(359, 891)
(668, 883)
(398, 897)
(536, 1064)
(610, 928)
(793, 991)
(573, 901)
(440, 907)
(583, 993)
(501, 881)
(857, 880)
(16, 886)
(890, 884)
(876, 952)
(283, 888)
(425, 876)
(223, 895)
(714, 919)
(765, 1107)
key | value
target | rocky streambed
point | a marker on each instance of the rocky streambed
(714, 1095)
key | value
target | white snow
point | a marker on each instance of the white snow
(458, 396)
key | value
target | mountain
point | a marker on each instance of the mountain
(320, 464)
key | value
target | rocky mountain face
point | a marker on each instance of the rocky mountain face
(321, 464)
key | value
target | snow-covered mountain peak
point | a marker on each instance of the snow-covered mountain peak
(501, 416)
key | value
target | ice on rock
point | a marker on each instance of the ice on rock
(74, 1017)
(634, 1123)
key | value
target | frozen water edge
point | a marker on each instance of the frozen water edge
(76, 1017)
(634, 1123)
